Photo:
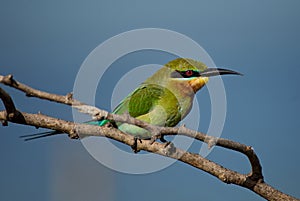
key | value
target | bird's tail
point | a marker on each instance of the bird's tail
(39, 135)
(50, 133)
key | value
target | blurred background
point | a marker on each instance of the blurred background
(43, 44)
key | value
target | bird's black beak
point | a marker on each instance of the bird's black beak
(217, 71)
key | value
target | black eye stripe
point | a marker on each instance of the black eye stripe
(185, 74)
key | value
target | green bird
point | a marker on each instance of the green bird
(163, 99)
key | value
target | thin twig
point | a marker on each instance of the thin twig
(31, 92)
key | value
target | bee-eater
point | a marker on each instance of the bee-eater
(163, 99)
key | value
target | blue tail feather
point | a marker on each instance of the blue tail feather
(50, 133)
(39, 135)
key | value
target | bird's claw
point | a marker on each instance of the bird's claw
(158, 136)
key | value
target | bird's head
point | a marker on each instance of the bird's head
(193, 73)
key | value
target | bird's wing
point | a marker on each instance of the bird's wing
(153, 104)
(140, 101)
(143, 105)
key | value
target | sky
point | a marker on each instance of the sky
(44, 44)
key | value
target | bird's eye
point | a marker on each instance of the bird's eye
(185, 74)
(188, 73)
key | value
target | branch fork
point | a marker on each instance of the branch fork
(253, 181)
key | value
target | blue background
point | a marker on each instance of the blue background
(43, 44)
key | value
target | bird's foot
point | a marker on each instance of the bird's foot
(134, 147)
(158, 136)
(109, 125)
(167, 143)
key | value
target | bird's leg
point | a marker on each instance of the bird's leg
(134, 146)
(162, 139)
(158, 136)
(110, 125)
(167, 143)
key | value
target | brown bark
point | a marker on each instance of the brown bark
(253, 181)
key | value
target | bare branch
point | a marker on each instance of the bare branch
(253, 181)
(30, 92)
(10, 109)
(98, 114)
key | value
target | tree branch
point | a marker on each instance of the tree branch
(30, 92)
(253, 181)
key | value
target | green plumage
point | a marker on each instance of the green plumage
(159, 100)
(164, 99)
(150, 103)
